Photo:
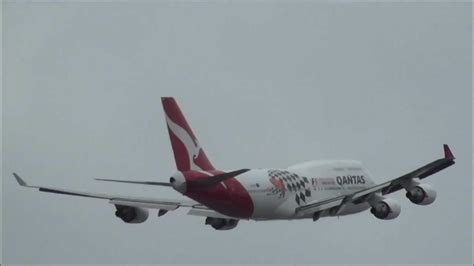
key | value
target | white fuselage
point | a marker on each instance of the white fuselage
(277, 193)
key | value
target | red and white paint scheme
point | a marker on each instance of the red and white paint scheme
(311, 190)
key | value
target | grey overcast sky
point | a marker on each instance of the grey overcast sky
(263, 85)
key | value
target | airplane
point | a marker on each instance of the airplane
(309, 190)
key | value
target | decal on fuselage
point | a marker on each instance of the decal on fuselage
(318, 182)
(350, 180)
(286, 181)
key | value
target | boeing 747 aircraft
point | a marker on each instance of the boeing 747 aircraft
(309, 190)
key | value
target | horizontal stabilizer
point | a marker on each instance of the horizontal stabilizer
(204, 182)
(214, 180)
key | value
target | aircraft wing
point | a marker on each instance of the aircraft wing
(140, 202)
(385, 188)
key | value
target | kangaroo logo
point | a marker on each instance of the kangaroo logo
(193, 148)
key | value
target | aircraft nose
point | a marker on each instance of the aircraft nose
(178, 182)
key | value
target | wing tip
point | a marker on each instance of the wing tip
(20, 181)
(448, 154)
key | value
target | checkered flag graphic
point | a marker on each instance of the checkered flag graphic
(292, 182)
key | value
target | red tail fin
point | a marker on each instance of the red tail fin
(188, 153)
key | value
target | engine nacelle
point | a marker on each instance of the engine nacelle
(131, 215)
(221, 224)
(386, 209)
(422, 194)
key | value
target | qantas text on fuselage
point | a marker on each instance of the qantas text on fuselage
(308, 190)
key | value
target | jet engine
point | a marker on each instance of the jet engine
(422, 194)
(221, 224)
(386, 209)
(131, 215)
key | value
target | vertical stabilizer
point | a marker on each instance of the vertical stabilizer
(188, 153)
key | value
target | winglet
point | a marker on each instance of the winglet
(20, 181)
(447, 152)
